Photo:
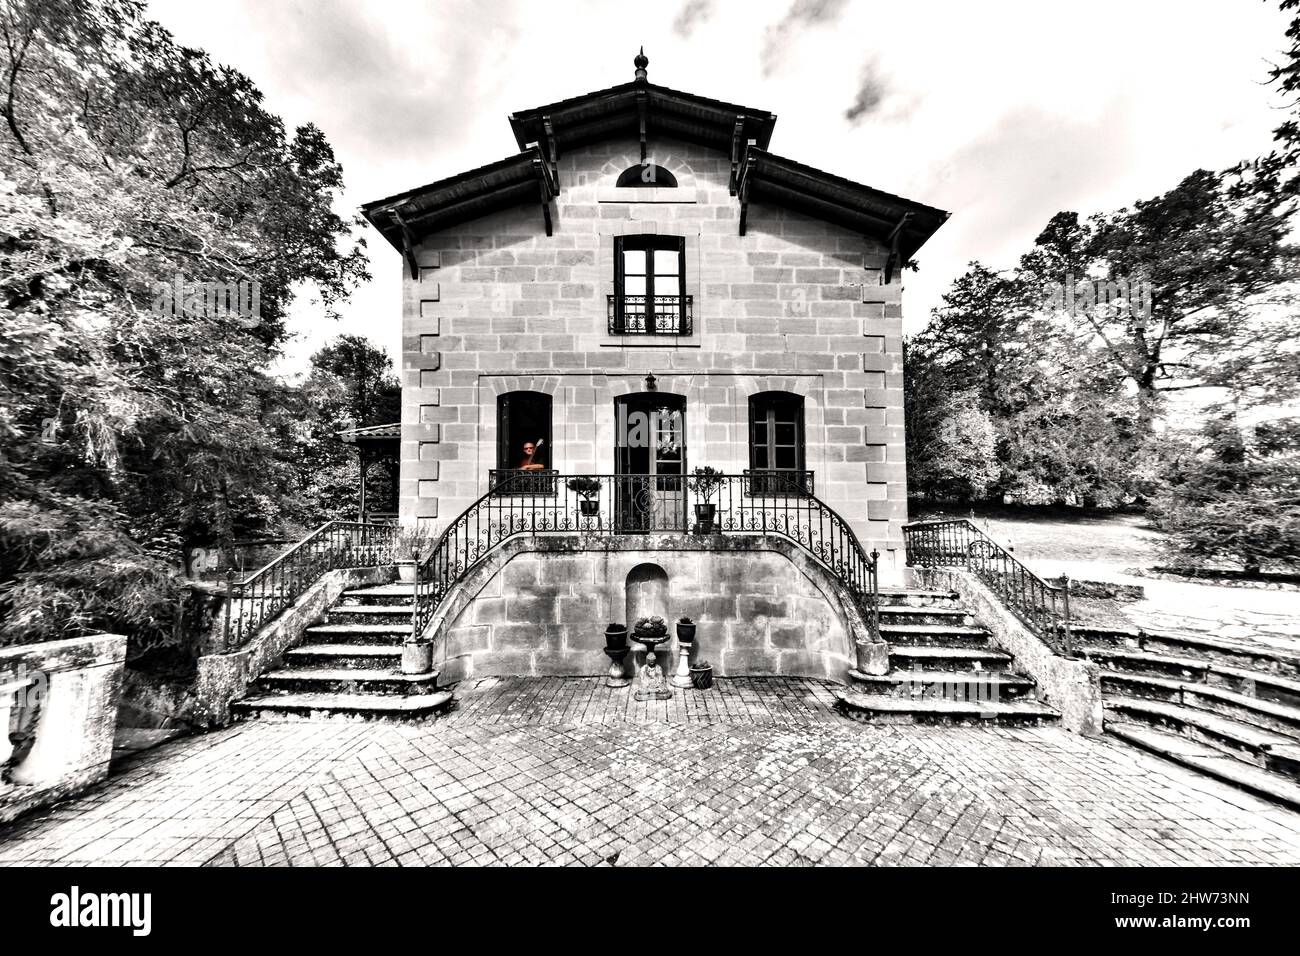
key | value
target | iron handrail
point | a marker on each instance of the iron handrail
(646, 504)
(1041, 606)
(254, 601)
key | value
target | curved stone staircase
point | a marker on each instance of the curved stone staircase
(1228, 710)
(943, 669)
(349, 666)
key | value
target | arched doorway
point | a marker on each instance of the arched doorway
(650, 460)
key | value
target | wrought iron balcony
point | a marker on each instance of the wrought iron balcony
(774, 482)
(640, 315)
(760, 503)
(522, 481)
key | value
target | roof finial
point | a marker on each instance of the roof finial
(641, 61)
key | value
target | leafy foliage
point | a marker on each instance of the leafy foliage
(1234, 496)
(130, 432)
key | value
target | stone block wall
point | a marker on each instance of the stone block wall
(794, 305)
(544, 613)
(68, 691)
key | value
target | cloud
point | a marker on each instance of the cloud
(877, 98)
(872, 88)
(802, 14)
(692, 15)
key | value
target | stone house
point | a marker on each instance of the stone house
(644, 289)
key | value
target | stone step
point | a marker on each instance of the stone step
(380, 595)
(874, 708)
(361, 656)
(983, 685)
(1270, 687)
(917, 597)
(392, 615)
(1267, 715)
(1102, 637)
(947, 635)
(1222, 733)
(927, 657)
(1285, 760)
(357, 633)
(1217, 651)
(347, 707)
(1265, 685)
(1207, 650)
(1142, 662)
(903, 614)
(1213, 763)
(345, 680)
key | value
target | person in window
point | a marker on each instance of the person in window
(528, 463)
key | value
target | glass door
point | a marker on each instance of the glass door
(650, 462)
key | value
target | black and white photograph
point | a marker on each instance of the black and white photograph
(711, 434)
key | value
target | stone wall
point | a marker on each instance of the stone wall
(761, 610)
(794, 305)
(63, 695)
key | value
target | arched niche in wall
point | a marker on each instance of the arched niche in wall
(646, 593)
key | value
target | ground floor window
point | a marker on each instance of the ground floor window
(776, 443)
(524, 445)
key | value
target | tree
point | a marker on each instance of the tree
(350, 384)
(137, 164)
(1205, 271)
(1005, 400)
(1234, 497)
(951, 442)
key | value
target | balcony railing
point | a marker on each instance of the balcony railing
(660, 315)
(1043, 608)
(765, 504)
(254, 601)
(522, 481)
(778, 481)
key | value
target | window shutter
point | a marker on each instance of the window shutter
(618, 284)
(503, 432)
(681, 283)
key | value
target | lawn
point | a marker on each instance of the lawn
(1110, 547)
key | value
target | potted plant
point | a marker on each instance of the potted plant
(588, 490)
(686, 630)
(616, 636)
(701, 675)
(410, 547)
(704, 486)
(651, 626)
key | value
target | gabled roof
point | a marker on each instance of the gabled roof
(407, 217)
(620, 110)
(902, 224)
(641, 109)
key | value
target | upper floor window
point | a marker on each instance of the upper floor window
(776, 444)
(649, 286)
(646, 175)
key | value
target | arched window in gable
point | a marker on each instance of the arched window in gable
(646, 175)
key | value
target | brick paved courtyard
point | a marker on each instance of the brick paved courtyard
(567, 771)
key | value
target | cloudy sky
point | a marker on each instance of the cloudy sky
(1002, 111)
